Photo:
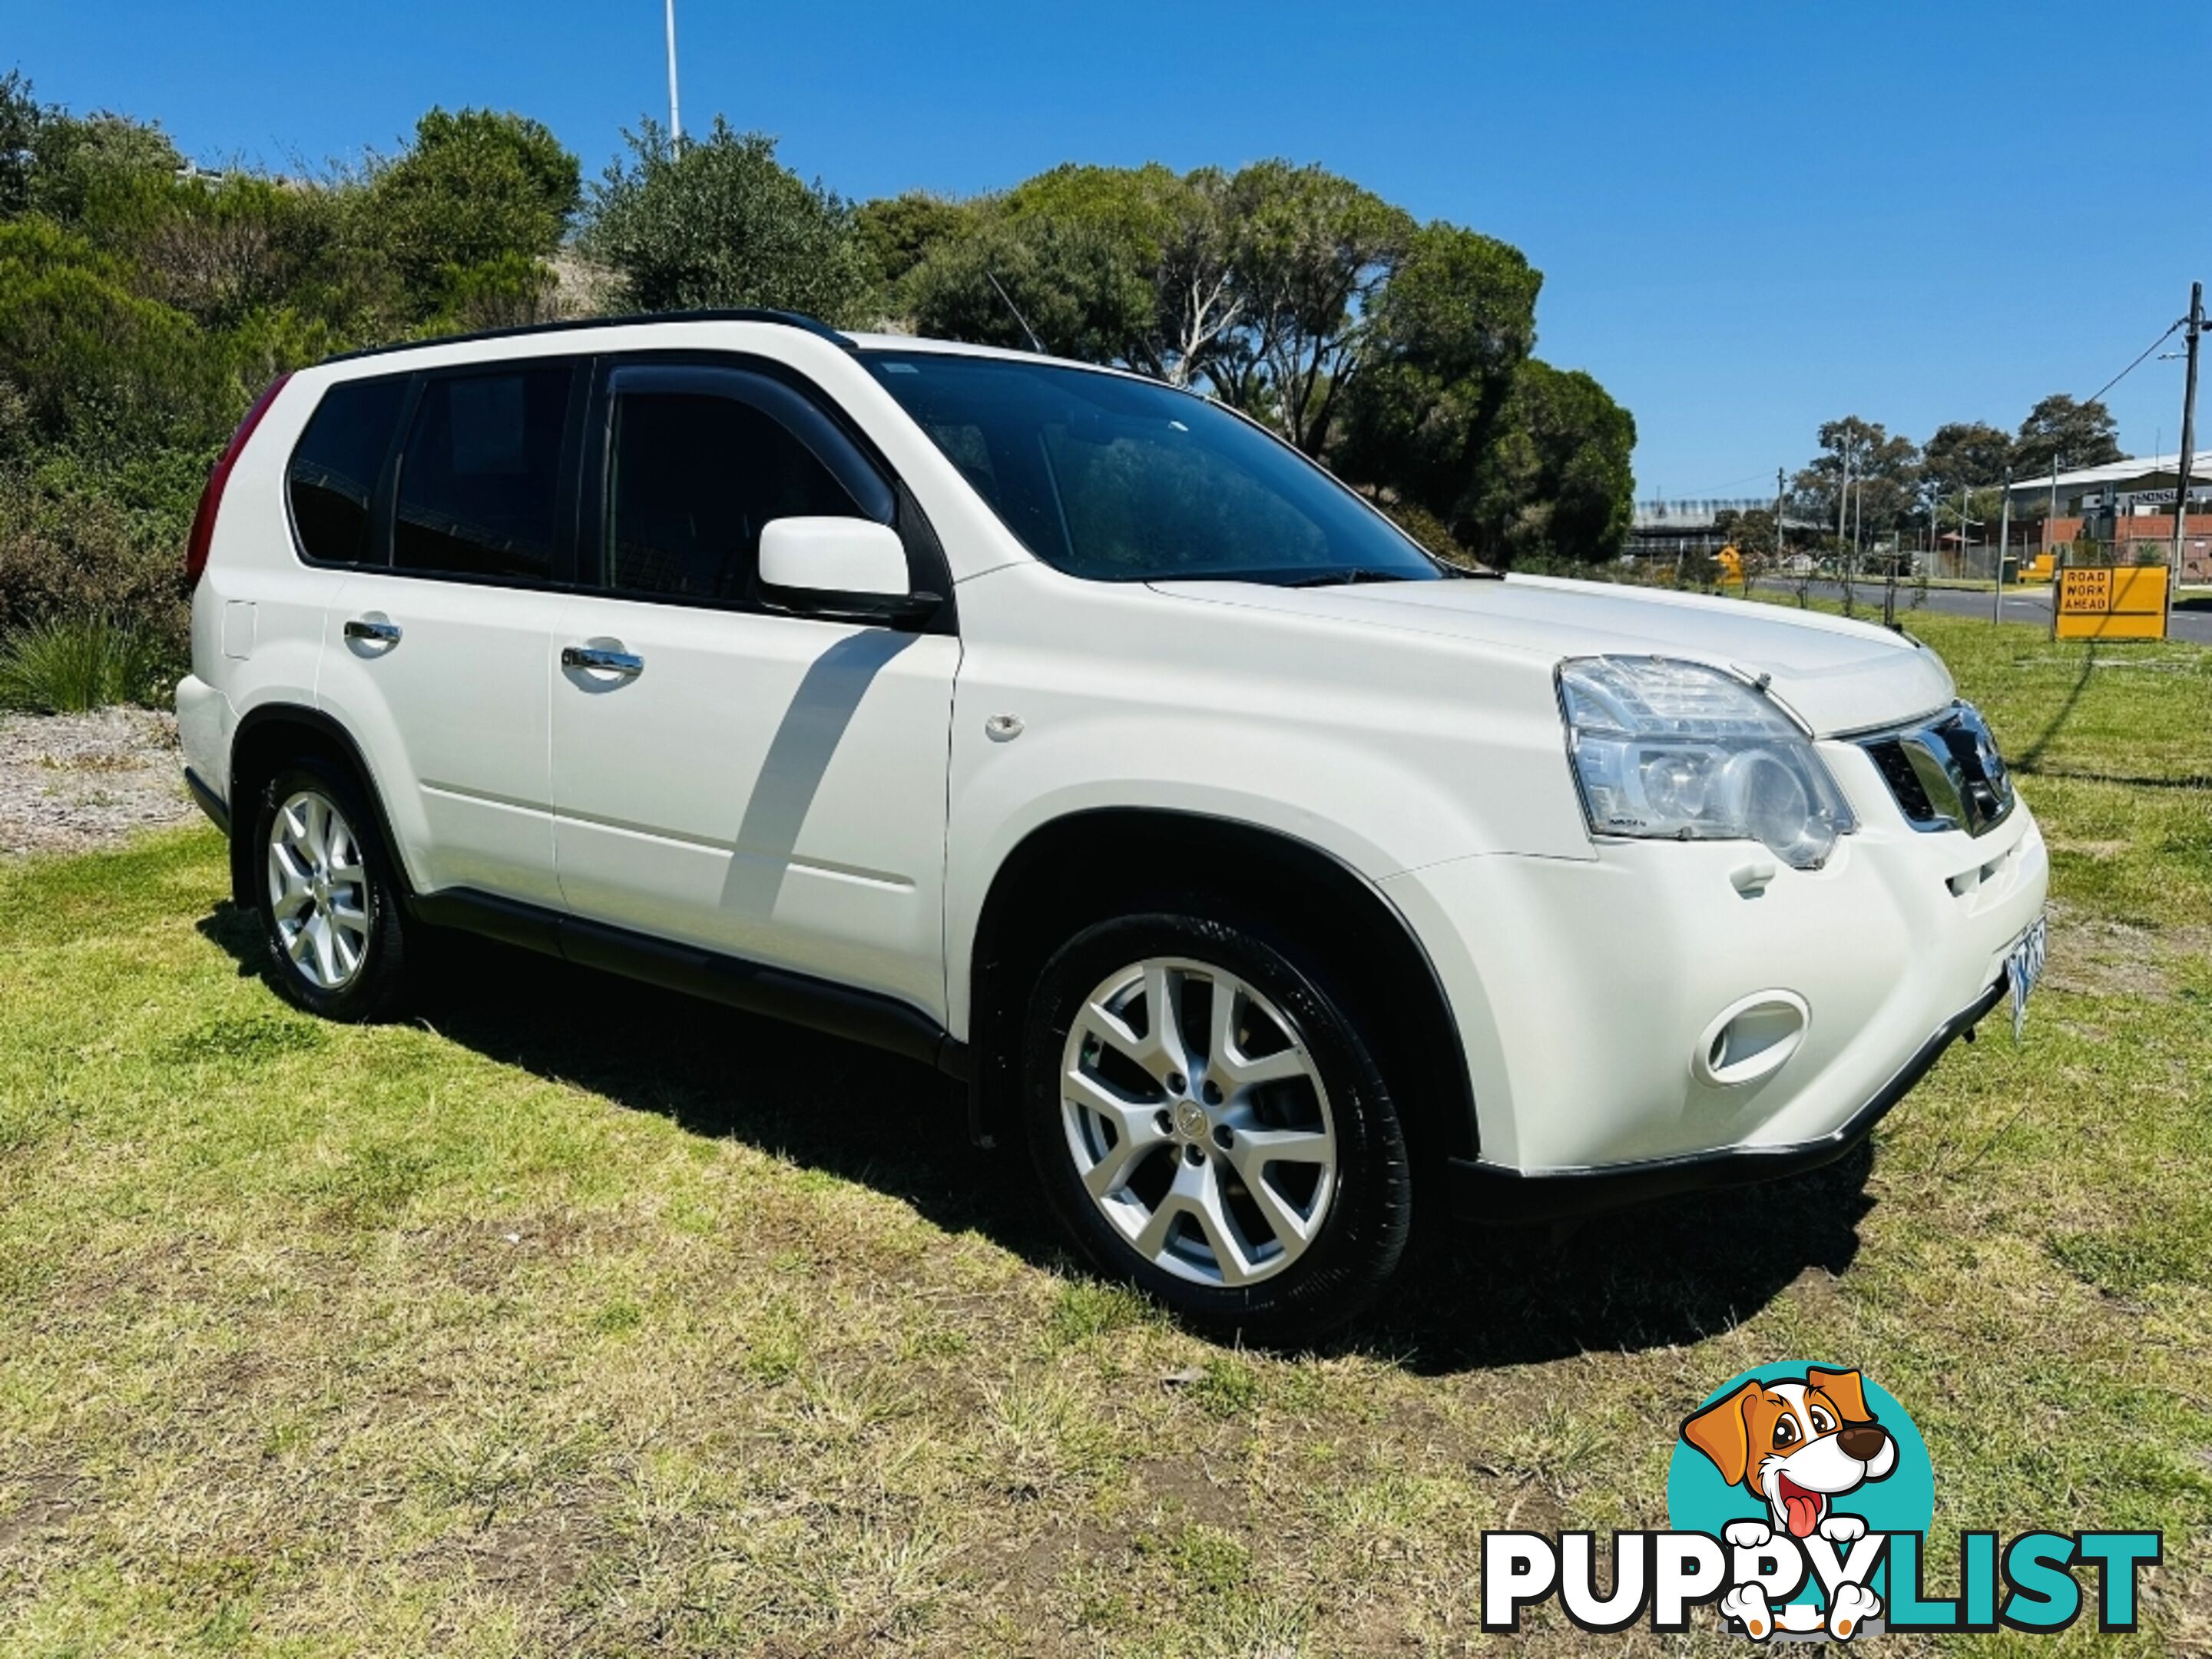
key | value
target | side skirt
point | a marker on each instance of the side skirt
(863, 1017)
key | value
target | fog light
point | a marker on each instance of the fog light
(1751, 1039)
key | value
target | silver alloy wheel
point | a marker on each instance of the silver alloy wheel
(1215, 1159)
(319, 890)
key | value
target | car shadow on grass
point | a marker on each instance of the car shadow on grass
(1469, 1298)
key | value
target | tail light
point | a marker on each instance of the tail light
(203, 537)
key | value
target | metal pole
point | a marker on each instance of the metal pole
(1777, 518)
(1889, 586)
(2050, 512)
(2188, 433)
(675, 111)
(2004, 535)
(1844, 500)
(1962, 524)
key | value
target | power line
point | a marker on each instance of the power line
(2132, 366)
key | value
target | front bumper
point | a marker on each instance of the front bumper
(1508, 1197)
(1584, 987)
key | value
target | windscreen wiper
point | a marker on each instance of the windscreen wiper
(1357, 573)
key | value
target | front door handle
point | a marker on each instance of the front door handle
(592, 656)
(376, 630)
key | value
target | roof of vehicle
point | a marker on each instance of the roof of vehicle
(853, 342)
(966, 349)
(736, 314)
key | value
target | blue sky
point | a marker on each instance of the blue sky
(1750, 218)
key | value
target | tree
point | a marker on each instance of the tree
(1982, 507)
(2059, 431)
(477, 188)
(21, 117)
(1083, 291)
(1312, 250)
(1752, 533)
(898, 233)
(1884, 473)
(1129, 265)
(1176, 232)
(1964, 455)
(1555, 484)
(1392, 349)
(1448, 335)
(720, 221)
(58, 164)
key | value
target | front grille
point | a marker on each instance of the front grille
(1946, 772)
(1888, 757)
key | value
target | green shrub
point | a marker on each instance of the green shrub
(72, 544)
(476, 189)
(93, 361)
(71, 665)
(718, 221)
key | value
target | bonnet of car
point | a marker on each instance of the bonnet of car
(1837, 676)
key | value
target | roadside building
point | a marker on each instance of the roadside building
(2123, 510)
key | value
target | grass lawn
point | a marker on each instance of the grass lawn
(574, 1318)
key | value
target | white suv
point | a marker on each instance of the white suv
(1071, 734)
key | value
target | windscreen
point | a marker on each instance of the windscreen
(1125, 480)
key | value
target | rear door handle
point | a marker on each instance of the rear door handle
(375, 629)
(592, 656)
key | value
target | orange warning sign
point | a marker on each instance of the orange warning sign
(2099, 602)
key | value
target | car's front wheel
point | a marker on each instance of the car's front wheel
(1207, 1121)
(331, 916)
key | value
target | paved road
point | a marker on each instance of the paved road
(2190, 621)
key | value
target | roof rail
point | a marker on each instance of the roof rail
(736, 314)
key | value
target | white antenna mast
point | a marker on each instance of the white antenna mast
(675, 111)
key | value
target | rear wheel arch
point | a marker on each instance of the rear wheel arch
(1089, 865)
(268, 738)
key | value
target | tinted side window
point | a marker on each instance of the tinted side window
(694, 477)
(480, 481)
(332, 477)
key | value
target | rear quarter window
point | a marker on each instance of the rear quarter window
(331, 480)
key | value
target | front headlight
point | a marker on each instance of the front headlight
(1679, 752)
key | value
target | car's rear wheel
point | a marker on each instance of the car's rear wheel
(1207, 1121)
(332, 916)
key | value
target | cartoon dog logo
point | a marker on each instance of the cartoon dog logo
(1797, 1445)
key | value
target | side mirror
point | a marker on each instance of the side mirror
(847, 558)
(841, 570)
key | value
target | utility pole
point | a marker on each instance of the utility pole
(675, 111)
(1844, 501)
(1777, 518)
(1889, 587)
(1962, 524)
(2188, 432)
(2004, 536)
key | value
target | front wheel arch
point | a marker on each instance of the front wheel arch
(1088, 866)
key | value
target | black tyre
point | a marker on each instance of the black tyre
(1240, 1159)
(332, 916)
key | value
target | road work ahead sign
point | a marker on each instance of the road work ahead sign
(2102, 602)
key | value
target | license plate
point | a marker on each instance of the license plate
(2024, 967)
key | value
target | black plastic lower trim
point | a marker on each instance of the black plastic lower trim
(208, 801)
(1491, 1193)
(866, 1016)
